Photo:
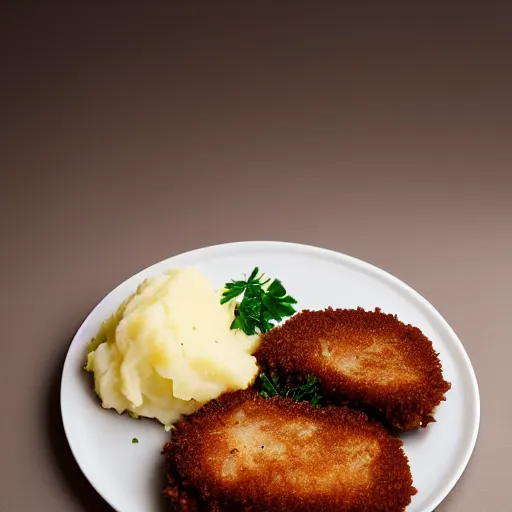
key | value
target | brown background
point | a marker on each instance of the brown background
(132, 134)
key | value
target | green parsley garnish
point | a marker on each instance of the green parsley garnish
(261, 305)
(135, 440)
(308, 390)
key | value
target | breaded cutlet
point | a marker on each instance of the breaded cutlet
(242, 452)
(366, 359)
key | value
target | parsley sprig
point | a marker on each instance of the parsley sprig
(261, 305)
(308, 390)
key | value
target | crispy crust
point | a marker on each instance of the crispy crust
(367, 359)
(331, 458)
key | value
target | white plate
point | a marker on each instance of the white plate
(130, 476)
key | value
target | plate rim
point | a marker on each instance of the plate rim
(315, 251)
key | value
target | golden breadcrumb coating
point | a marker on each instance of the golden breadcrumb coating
(242, 452)
(367, 359)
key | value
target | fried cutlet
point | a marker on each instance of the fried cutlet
(367, 359)
(242, 452)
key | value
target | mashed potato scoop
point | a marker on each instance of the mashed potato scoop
(169, 348)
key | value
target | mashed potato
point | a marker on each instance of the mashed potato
(169, 348)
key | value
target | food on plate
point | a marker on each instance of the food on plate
(243, 452)
(169, 348)
(366, 359)
(267, 416)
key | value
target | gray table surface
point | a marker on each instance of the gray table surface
(133, 134)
